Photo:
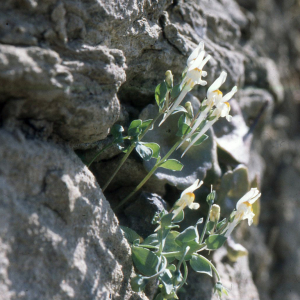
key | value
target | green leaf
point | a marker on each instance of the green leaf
(144, 151)
(155, 149)
(166, 280)
(194, 246)
(175, 91)
(210, 199)
(145, 124)
(200, 221)
(131, 235)
(200, 140)
(183, 129)
(189, 234)
(172, 164)
(210, 226)
(178, 109)
(138, 283)
(200, 264)
(210, 118)
(145, 261)
(215, 241)
(170, 244)
(221, 224)
(179, 217)
(160, 94)
(134, 128)
(116, 131)
(166, 220)
(151, 240)
(172, 268)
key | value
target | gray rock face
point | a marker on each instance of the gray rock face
(59, 238)
(65, 69)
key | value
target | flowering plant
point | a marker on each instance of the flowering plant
(156, 256)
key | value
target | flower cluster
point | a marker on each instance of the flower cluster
(213, 107)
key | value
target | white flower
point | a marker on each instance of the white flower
(195, 63)
(244, 209)
(187, 198)
(214, 98)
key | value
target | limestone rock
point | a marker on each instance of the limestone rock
(58, 235)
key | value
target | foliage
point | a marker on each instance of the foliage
(165, 253)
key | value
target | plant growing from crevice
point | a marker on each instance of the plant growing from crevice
(190, 128)
(164, 255)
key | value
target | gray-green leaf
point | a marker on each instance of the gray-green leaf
(172, 164)
(130, 234)
(134, 128)
(200, 140)
(160, 94)
(144, 151)
(215, 241)
(145, 261)
(155, 149)
(200, 264)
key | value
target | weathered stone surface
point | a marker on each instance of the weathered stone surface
(59, 236)
(65, 64)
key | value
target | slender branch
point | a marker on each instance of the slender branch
(205, 225)
(119, 166)
(148, 246)
(102, 150)
(171, 254)
(182, 258)
(185, 276)
(129, 151)
(157, 165)
(215, 270)
(162, 269)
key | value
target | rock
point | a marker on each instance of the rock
(57, 227)
(140, 213)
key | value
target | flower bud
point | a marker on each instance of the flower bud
(188, 106)
(210, 199)
(169, 79)
(214, 214)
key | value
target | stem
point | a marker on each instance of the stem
(215, 270)
(205, 225)
(185, 276)
(148, 246)
(182, 258)
(119, 166)
(162, 269)
(129, 151)
(171, 254)
(157, 165)
(102, 150)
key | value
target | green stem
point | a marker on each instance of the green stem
(171, 254)
(185, 276)
(102, 150)
(129, 151)
(182, 258)
(205, 225)
(162, 269)
(215, 270)
(156, 166)
(148, 246)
